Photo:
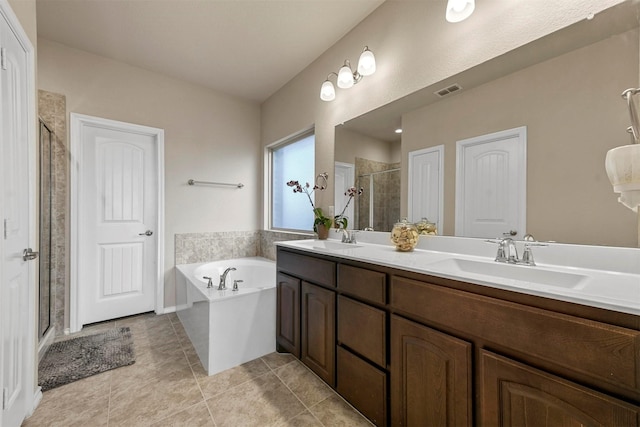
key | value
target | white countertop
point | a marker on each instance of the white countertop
(617, 288)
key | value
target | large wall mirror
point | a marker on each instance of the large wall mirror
(564, 88)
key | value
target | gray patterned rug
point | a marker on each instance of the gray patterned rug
(71, 360)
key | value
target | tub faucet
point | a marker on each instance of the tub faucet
(223, 279)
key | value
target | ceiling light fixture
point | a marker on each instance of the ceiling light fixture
(346, 77)
(459, 10)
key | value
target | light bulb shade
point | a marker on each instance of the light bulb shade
(367, 63)
(327, 91)
(623, 169)
(459, 10)
(345, 77)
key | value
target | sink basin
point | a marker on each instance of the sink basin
(522, 273)
(327, 245)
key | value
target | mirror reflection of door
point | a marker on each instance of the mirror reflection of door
(345, 178)
(426, 185)
(491, 185)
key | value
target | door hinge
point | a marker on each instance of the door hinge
(5, 229)
(3, 58)
(4, 398)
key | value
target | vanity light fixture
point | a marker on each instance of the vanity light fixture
(346, 77)
(459, 10)
(623, 163)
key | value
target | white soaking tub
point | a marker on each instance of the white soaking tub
(226, 327)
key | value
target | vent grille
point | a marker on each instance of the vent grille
(447, 90)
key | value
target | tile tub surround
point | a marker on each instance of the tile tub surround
(214, 246)
(168, 386)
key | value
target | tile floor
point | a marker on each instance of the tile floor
(167, 386)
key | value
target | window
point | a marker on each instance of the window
(292, 160)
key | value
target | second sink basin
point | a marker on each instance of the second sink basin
(513, 272)
(327, 245)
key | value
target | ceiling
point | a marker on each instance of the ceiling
(245, 48)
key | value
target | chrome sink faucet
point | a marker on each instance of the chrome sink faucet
(348, 236)
(508, 252)
(223, 279)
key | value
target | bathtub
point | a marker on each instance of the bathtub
(228, 328)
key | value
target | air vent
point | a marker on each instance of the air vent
(447, 90)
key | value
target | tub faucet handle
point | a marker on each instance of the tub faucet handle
(235, 284)
(210, 283)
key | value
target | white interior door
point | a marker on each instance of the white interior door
(491, 185)
(118, 224)
(426, 185)
(18, 276)
(345, 178)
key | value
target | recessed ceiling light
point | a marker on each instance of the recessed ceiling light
(398, 130)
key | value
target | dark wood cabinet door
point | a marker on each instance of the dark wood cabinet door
(288, 314)
(514, 394)
(319, 331)
(430, 377)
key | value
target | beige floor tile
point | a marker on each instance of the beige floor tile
(152, 401)
(168, 386)
(335, 412)
(262, 401)
(276, 360)
(195, 416)
(305, 419)
(223, 381)
(191, 355)
(304, 384)
(81, 403)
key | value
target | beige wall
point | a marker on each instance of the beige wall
(25, 10)
(208, 136)
(415, 47)
(573, 117)
(352, 144)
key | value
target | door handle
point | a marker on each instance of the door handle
(146, 233)
(510, 233)
(29, 254)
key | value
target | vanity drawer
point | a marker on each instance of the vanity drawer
(362, 328)
(318, 271)
(588, 349)
(366, 284)
(362, 385)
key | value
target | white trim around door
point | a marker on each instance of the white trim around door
(26, 326)
(80, 123)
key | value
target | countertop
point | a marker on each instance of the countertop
(607, 289)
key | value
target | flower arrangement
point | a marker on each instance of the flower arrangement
(340, 220)
(320, 184)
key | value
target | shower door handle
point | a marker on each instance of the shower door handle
(146, 233)
(29, 254)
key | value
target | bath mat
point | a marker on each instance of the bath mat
(78, 358)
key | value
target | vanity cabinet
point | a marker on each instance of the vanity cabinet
(431, 380)
(288, 314)
(318, 331)
(305, 315)
(512, 393)
(410, 349)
